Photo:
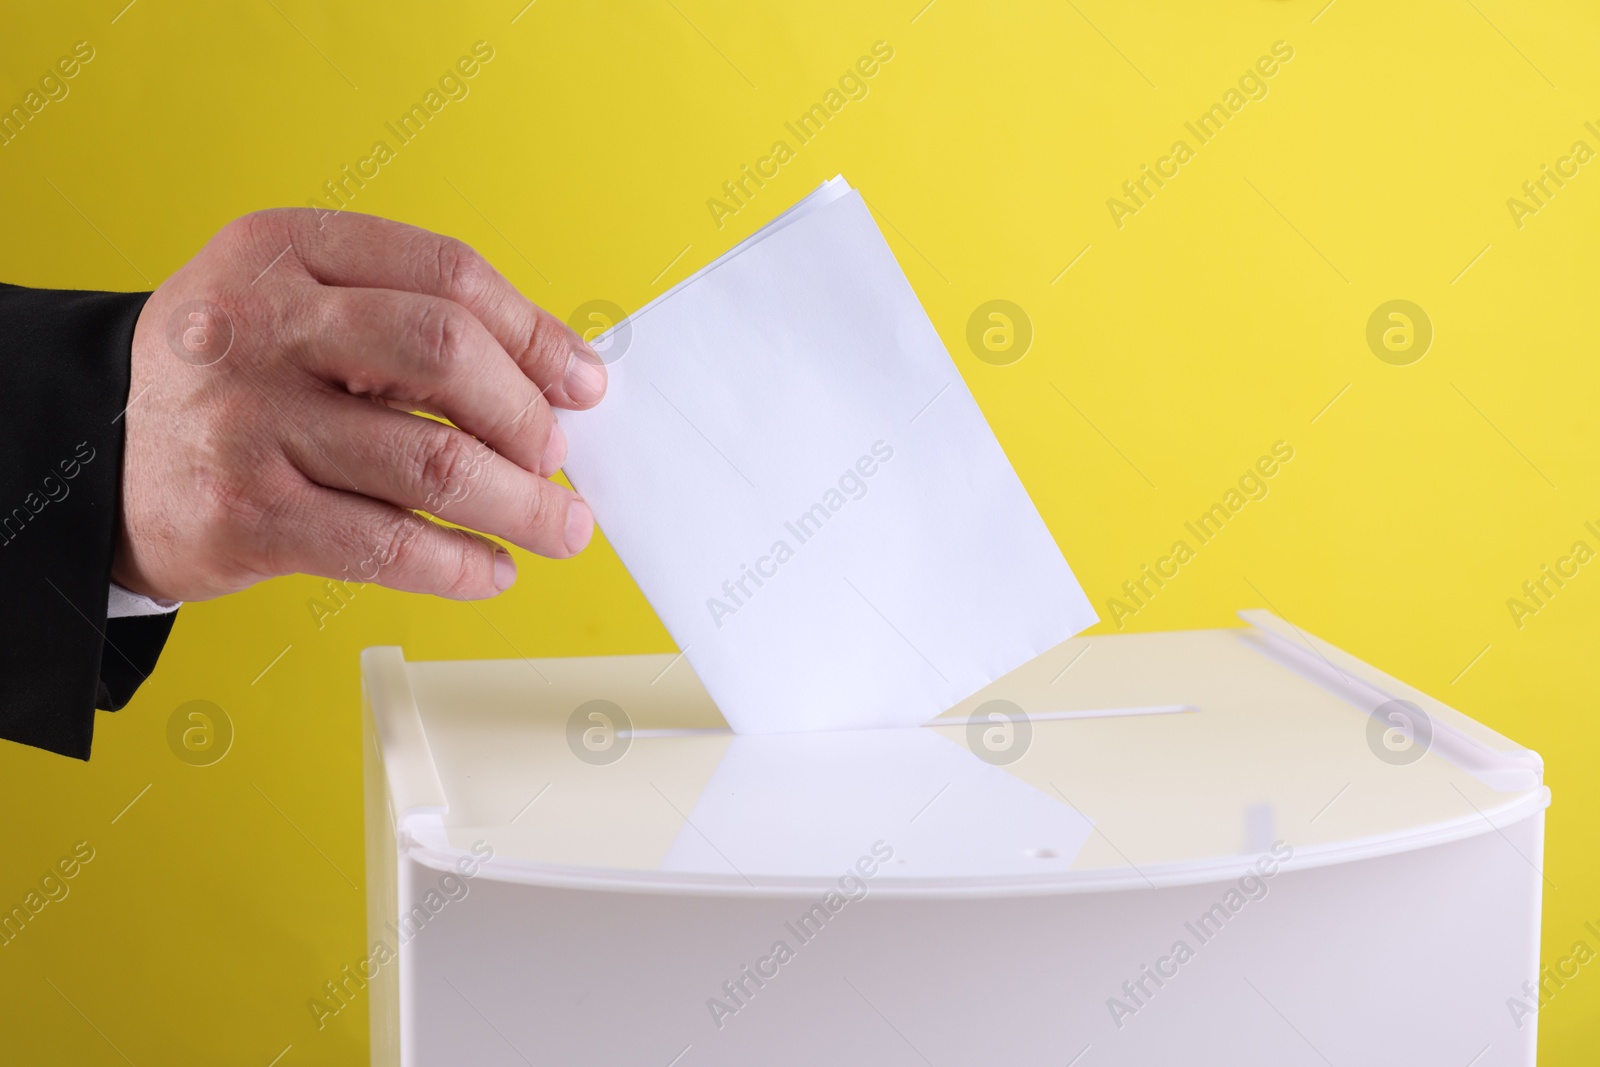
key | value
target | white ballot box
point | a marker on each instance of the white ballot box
(1234, 846)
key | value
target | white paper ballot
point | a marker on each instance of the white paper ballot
(790, 466)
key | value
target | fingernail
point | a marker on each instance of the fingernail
(505, 569)
(580, 526)
(585, 380)
(555, 451)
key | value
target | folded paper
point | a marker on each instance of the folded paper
(791, 467)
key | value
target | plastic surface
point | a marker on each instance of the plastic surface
(1153, 759)
(1224, 846)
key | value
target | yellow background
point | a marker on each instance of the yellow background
(1221, 318)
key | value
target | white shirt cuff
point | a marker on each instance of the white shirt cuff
(123, 603)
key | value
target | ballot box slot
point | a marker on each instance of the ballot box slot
(1034, 716)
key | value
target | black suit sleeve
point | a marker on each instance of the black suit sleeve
(64, 364)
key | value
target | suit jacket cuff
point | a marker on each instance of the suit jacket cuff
(64, 365)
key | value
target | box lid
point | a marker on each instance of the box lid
(1109, 762)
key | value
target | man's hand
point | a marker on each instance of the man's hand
(269, 426)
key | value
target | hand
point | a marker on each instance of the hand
(270, 427)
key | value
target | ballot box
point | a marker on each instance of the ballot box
(1232, 846)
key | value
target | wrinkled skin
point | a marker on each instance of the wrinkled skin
(271, 426)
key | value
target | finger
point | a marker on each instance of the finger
(434, 355)
(348, 249)
(420, 464)
(355, 539)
